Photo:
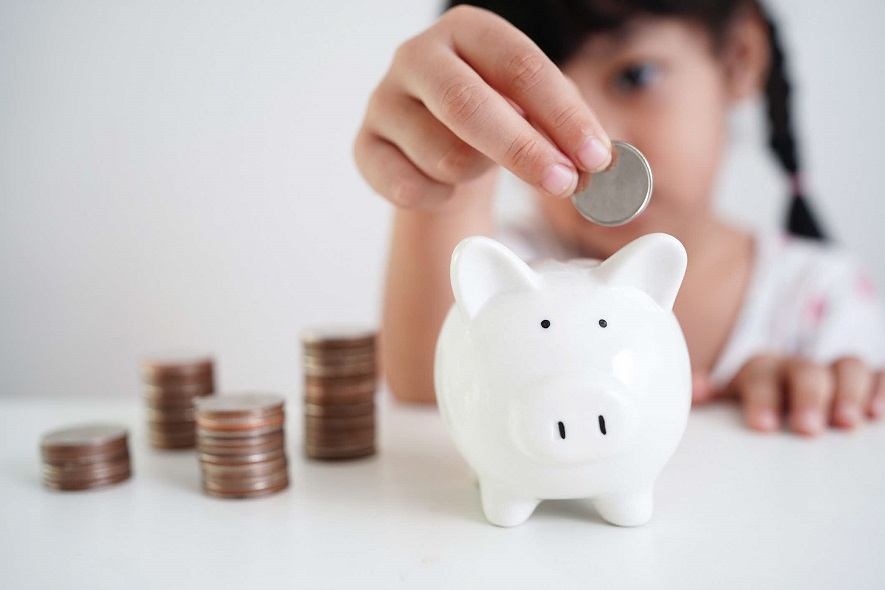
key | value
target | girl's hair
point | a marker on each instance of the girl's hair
(559, 28)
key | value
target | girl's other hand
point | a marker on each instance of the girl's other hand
(839, 394)
(470, 92)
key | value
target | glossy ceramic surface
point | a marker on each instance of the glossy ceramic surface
(565, 380)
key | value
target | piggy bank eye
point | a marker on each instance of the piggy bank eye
(602, 323)
(545, 324)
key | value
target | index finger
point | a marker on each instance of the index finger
(459, 82)
(518, 69)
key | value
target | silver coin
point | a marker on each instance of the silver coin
(620, 193)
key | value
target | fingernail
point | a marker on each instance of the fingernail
(766, 421)
(593, 155)
(559, 179)
(809, 421)
(848, 414)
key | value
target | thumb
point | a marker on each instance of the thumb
(701, 388)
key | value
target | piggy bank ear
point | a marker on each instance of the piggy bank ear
(654, 263)
(483, 268)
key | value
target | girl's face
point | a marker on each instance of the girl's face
(659, 85)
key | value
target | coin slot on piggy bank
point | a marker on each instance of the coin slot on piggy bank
(566, 379)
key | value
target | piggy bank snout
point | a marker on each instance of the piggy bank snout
(573, 425)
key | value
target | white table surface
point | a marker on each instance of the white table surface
(733, 509)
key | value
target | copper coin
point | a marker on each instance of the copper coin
(84, 460)
(365, 384)
(327, 399)
(327, 424)
(235, 445)
(343, 411)
(184, 403)
(368, 370)
(242, 459)
(337, 336)
(359, 383)
(80, 472)
(339, 360)
(85, 485)
(239, 434)
(245, 484)
(176, 369)
(342, 439)
(233, 453)
(241, 423)
(88, 438)
(341, 443)
(247, 495)
(222, 472)
(315, 452)
(240, 405)
(340, 354)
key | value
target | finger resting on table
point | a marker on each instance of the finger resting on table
(810, 390)
(759, 385)
(876, 405)
(854, 387)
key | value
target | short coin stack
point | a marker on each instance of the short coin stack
(339, 393)
(241, 442)
(170, 386)
(85, 457)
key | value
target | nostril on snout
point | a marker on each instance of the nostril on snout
(561, 430)
(601, 424)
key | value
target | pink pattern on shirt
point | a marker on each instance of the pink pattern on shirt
(815, 309)
(865, 286)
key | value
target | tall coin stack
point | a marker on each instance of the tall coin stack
(242, 445)
(170, 387)
(339, 393)
(85, 457)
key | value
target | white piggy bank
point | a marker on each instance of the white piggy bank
(569, 380)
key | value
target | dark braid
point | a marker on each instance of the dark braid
(800, 220)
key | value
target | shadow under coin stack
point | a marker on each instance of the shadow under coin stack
(242, 445)
(339, 393)
(170, 387)
(85, 457)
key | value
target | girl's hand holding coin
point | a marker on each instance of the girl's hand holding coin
(469, 93)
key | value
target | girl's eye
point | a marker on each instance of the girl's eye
(637, 76)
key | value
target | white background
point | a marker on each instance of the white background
(178, 174)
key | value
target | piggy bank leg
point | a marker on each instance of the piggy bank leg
(625, 508)
(504, 508)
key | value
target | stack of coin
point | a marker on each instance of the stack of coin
(171, 385)
(241, 442)
(339, 393)
(85, 457)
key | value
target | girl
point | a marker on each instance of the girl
(783, 324)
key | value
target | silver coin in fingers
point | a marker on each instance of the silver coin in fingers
(621, 192)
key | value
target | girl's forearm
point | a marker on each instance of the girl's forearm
(418, 292)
